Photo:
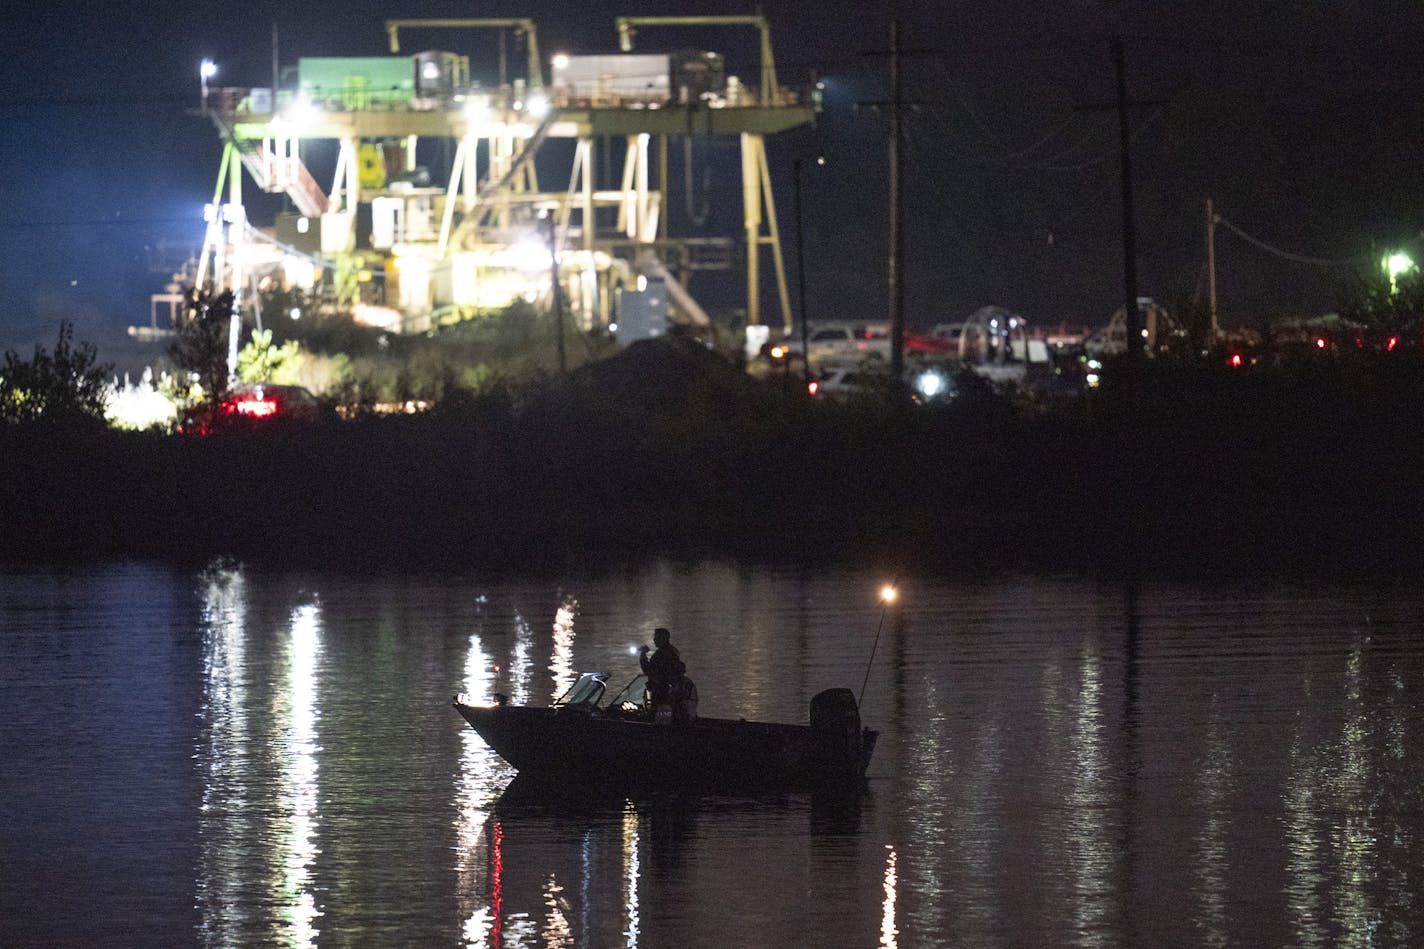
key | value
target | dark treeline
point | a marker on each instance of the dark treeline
(667, 450)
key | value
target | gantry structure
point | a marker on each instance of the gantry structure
(409, 247)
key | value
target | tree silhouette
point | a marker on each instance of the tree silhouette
(202, 343)
(64, 387)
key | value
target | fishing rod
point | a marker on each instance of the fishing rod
(887, 596)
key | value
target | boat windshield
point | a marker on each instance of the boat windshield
(630, 697)
(586, 690)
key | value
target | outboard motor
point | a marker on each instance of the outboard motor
(836, 737)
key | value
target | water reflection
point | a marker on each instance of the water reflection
(223, 750)
(1343, 835)
(478, 783)
(1090, 846)
(561, 664)
(253, 835)
(889, 935)
(299, 779)
(1214, 779)
(632, 870)
(1231, 780)
(557, 934)
(521, 662)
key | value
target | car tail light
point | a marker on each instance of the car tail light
(251, 408)
(813, 387)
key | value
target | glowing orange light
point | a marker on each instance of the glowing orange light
(888, 593)
(497, 884)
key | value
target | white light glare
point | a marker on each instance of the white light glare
(561, 61)
(477, 110)
(888, 593)
(303, 112)
(537, 106)
(930, 384)
(207, 69)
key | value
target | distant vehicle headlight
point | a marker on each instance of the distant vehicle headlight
(930, 384)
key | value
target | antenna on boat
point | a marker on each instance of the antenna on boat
(887, 596)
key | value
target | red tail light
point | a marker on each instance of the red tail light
(251, 408)
(1392, 342)
(1235, 360)
(813, 387)
(1320, 342)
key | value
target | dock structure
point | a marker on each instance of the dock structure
(436, 212)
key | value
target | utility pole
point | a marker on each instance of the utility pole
(1211, 269)
(897, 222)
(896, 264)
(1133, 324)
(800, 269)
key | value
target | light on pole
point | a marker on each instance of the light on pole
(1395, 265)
(801, 264)
(207, 69)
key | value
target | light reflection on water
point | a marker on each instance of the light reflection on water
(237, 810)
(1059, 764)
(561, 663)
(632, 871)
(223, 752)
(889, 935)
(299, 779)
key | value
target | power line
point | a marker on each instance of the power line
(97, 223)
(1287, 255)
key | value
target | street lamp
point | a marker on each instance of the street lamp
(801, 264)
(1396, 264)
(207, 69)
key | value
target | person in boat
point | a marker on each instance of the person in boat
(670, 692)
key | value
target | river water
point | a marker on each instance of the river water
(236, 757)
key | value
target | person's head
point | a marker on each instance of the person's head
(661, 637)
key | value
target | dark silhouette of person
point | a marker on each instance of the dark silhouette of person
(664, 669)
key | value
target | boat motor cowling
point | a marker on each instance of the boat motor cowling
(836, 735)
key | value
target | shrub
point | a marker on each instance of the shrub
(65, 387)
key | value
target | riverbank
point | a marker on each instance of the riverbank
(669, 451)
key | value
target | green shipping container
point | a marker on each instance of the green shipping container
(357, 82)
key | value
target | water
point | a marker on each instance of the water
(241, 758)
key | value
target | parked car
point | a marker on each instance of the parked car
(255, 406)
(834, 341)
(844, 383)
(948, 334)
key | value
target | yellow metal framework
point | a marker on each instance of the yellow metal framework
(489, 205)
(523, 25)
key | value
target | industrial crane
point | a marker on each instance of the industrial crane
(523, 25)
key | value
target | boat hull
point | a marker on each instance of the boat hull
(707, 753)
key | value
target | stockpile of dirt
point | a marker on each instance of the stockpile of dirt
(671, 373)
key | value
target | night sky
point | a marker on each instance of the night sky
(1303, 120)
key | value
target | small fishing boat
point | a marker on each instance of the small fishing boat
(618, 743)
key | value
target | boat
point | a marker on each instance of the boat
(617, 742)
